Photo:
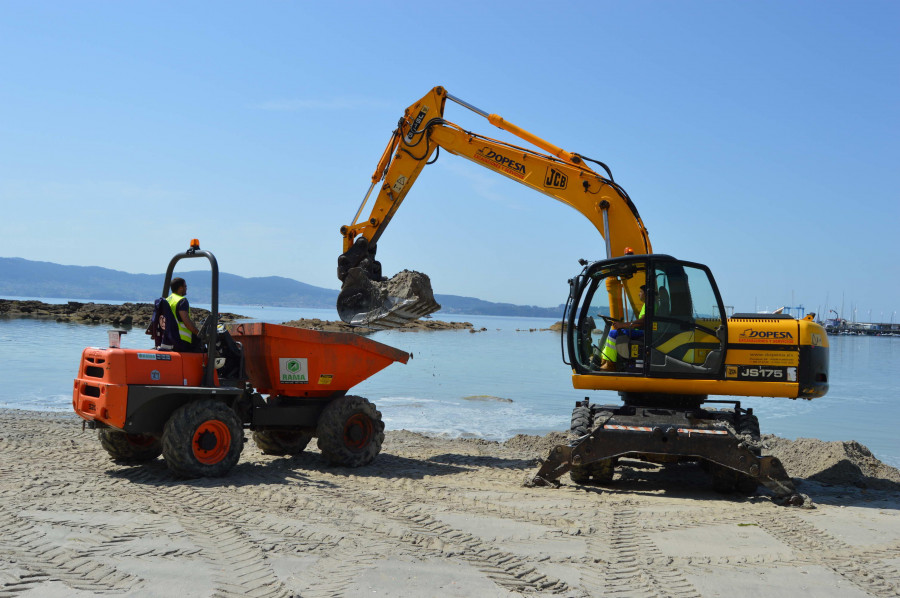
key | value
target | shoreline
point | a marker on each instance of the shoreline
(429, 517)
(137, 315)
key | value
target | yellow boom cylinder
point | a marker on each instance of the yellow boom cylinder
(499, 122)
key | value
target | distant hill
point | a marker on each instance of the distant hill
(26, 278)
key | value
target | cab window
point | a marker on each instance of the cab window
(684, 336)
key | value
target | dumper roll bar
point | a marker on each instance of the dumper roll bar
(211, 325)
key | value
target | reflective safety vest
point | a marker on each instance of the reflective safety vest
(609, 349)
(183, 331)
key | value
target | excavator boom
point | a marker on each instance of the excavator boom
(368, 299)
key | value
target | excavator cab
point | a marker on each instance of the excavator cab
(684, 323)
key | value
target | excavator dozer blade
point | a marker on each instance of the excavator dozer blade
(393, 303)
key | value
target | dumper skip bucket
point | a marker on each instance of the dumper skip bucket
(296, 362)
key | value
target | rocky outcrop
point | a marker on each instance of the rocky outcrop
(126, 315)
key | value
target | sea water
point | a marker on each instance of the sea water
(507, 378)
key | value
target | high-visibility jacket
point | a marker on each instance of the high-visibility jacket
(183, 331)
(609, 349)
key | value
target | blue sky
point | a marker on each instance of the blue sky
(755, 137)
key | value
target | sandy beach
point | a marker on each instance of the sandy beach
(431, 517)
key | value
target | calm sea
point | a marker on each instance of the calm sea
(493, 384)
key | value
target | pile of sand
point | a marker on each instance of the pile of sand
(536, 447)
(840, 463)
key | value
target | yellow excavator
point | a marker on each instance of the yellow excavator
(650, 326)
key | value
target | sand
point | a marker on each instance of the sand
(430, 517)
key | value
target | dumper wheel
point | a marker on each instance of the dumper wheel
(350, 432)
(129, 448)
(202, 439)
(281, 442)
(597, 472)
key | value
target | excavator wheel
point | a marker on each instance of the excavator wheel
(596, 472)
(727, 480)
(202, 439)
(581, 421)
(350, 432)
(129, 448)
(281, 442)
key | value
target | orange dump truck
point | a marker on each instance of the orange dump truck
(285, 384)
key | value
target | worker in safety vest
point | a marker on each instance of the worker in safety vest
(188, 334)
(633, 329)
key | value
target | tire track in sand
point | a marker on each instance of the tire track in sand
(25, 545)
(413, 532)
(637, 566)
(871, 574)
(214, 525)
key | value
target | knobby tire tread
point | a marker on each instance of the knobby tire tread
(598, 472)
(128, 448)
(727, 480)
(330, 432)
(178, 437)
(280, 443)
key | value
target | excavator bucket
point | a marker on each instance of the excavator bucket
(367, 299)
(385, 304)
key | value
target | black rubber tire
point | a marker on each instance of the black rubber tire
(725, 480)
(129, 448)
(581, 421)
(598, 472)
(749, 426)
(215, 429)
(350, 432)
(579, 475)
(281, 442)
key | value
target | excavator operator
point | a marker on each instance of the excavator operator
(633, 329)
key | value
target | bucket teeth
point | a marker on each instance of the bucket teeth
(395, 313)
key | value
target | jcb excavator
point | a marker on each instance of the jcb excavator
(682, 349)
